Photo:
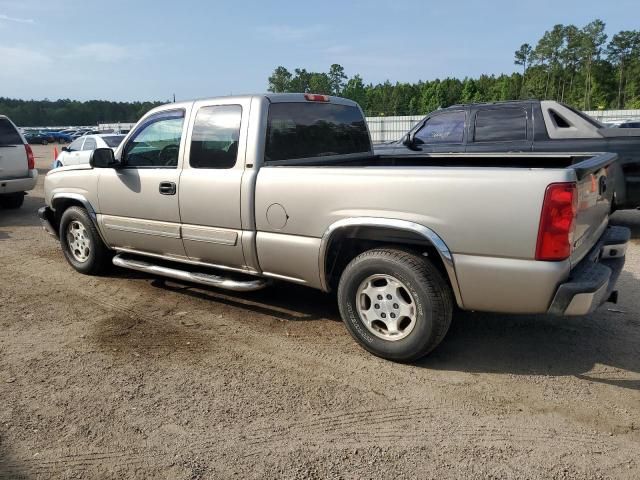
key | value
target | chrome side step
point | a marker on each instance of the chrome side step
(195, 277)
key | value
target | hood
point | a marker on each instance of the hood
(83, 166)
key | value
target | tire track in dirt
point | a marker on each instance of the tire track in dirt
(446, 418)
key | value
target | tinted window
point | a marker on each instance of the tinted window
(156, 143)
(76, 145)
(214, 142)
(559, 120)
(313, 129)
(89, 144)
(113, 140)
(443, 128)
(500, 125)
(8, 134)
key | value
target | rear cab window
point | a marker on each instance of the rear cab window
(313, 131)
(9, 136)
(501, 125)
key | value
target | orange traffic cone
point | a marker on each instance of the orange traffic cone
(55, 153)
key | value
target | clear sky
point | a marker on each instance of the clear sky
(148, 50)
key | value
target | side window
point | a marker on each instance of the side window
(76, 145)
(89, 144)
(559, 120)
(8, 134)
(443, 128)
(214, 142)
(501, 125)
(157, 143)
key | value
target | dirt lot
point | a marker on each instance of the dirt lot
(126, 377)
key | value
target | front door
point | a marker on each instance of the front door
(210, 182)
(139, 200)
(441, 133)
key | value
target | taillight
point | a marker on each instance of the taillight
(31, 161)
(557, 222)
(314, 97)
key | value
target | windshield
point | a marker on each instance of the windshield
(113, 140)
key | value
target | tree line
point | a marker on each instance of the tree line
(579, 66)
(32, 113)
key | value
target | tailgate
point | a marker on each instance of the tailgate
(595, 194)
(13, 156)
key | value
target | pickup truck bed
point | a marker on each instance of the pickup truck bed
(287, 187)
(526, 126)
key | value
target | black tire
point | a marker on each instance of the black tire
(99, 257)
(431, 294)
(13, 200)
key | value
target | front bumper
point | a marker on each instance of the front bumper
(47, 220)
(591, 283)
(16, 185)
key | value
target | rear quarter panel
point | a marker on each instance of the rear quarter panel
(488, 211)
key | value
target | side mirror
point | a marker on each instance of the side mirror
(103, 158)
(409, 141)
(65, 149)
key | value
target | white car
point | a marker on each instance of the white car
(79, 151)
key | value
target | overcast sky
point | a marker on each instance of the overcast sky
(148, 50)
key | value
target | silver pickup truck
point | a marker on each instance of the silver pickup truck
(237, 192)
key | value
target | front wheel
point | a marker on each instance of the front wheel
(81, 243)
(396, 304)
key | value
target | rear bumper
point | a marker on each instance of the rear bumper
(16, 185)
(592, 282)
(46, 218)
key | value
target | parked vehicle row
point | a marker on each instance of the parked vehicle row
(44, 137)
(236, 192)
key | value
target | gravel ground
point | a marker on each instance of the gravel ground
(125, 376)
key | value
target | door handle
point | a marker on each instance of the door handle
(167, 188)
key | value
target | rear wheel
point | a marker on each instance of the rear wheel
(13, 200)
(81, 243)
(395, 304)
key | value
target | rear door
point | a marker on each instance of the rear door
(210, 182)
(500, 129)
(13, 155)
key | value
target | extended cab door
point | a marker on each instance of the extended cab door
(211, 180)
(501, 128)
(139, 200)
